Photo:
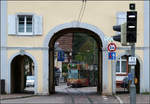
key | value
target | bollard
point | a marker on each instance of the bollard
(2, 86)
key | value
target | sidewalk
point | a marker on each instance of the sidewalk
(140, 98)
(15, 96)
(122, 98)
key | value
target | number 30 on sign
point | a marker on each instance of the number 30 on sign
(111, 47)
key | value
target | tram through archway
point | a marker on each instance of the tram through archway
(75, 58)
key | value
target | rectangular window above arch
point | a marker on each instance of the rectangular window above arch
(25, 24)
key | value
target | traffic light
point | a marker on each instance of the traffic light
(127, 30)
(131, 26)
(122, 36)
(117, 37)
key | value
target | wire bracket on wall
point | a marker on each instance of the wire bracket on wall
(22, 52)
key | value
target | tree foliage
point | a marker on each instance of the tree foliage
(84, 48)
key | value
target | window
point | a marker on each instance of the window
(73, 74)
(25, 24)
(118, 67)
(121, 67)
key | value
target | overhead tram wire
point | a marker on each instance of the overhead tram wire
(84, 6)
(81, 11)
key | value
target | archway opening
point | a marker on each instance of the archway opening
(22, 74)
(123, 75)
(75, 55)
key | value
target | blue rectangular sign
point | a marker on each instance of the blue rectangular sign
(112, 55)
(61, 56)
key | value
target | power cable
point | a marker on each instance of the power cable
(81, 11)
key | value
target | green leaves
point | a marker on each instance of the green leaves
(84, 48)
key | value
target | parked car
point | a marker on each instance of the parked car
(30, 81)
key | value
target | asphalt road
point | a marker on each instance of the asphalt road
(67, 95)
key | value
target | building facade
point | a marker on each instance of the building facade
(31, 27)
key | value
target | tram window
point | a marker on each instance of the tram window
(83, 74)
(73, 74)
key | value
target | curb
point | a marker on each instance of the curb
(18, 97)
(119, 99)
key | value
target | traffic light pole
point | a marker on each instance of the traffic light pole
(132, 85)
(128, 35)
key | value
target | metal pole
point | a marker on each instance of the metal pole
(94, 61)
(132, 86)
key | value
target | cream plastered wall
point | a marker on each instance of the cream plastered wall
(101, 14)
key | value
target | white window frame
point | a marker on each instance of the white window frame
(120, 70)
(25, 33)
(13, 25)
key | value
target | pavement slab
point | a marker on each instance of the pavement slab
(140, 98)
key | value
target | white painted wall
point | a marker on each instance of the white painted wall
(146, 67)
(3, 37)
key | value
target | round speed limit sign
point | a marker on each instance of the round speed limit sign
(111, 47)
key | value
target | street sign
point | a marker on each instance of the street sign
(112, 55)
(111, 47)
(61, 56)
(132, 61)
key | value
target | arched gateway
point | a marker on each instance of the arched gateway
(48, 55)
(17, 72)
